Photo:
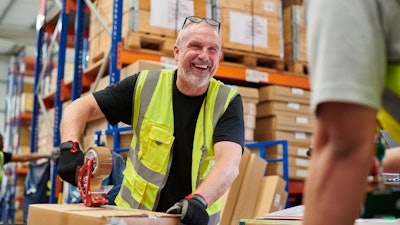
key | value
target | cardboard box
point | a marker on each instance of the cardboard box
(298, 150)
(248, 94)
(272, 196)
(295, 173)
(248, 193)
(230, 197)
(138, 66)
(286, 94)
(270, 108)
(301, 123)
(72, 214)
(249, 108)
(295, 138)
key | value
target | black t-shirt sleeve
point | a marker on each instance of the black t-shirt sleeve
(116, 101)
(7, 157)
(230, 127)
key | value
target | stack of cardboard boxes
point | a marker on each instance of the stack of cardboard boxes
(284, 114)
(154, 25)
(252, 194)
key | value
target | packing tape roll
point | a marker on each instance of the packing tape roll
(102, 165)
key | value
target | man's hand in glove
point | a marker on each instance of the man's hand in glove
(71, 159)
(192, 209)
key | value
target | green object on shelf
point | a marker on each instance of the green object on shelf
(380, 150)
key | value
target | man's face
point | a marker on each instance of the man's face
(198, 54)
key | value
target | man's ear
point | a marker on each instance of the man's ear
(176, 52)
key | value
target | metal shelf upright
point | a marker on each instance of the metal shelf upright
(60, 32)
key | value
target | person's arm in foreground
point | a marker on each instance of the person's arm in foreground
(226, 169)
(391, 161)
(341, 158)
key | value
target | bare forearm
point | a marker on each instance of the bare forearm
(24, 157)
(391, 160)
(340, 163)
(335, 188)
(75, 117)
(221, 176)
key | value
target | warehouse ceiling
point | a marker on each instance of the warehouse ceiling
(18, 24)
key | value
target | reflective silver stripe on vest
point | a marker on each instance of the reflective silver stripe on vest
(391, 103)
(151, 176)
(219, 105)
(214, 218)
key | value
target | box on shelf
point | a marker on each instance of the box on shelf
(294, 33)
(252, 32)
(26, 102)
(295, 138)
(71, 214)
(295, 172)
(282, 93)
(276, 151)
(298, 123)
(269, 108)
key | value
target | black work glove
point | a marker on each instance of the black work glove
(71, 159)
(192, 209)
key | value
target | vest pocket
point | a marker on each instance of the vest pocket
(156, 146)
(142, 191)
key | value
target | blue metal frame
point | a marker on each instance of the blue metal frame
(79, 39)
(262, 148)
(114, 58)
(62, 42)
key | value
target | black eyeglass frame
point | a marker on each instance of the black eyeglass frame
(197, 19)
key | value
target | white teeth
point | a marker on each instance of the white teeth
(201, 66)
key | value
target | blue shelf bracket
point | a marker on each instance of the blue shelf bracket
(262, 150)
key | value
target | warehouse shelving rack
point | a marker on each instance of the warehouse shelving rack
(20, 70)
(59, 30)
(116, 58)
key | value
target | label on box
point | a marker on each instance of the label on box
(300, 135)
(163, 13)
(168, 62)
(256, 76)
(302, 120)
(301, 173)
(302, 151)
(277, 200)
(293, 105)
(269, 7)
(302, 162)
(297, 91)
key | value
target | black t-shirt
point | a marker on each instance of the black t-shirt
(7, 157)
(116, 103)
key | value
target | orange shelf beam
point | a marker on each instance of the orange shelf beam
(230, 71)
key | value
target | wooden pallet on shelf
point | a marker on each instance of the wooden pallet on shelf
(296, 67)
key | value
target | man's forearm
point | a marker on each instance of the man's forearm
(221, 175)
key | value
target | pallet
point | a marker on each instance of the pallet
(141, 42)
(296, 67)
(146, 41)
(253, 60)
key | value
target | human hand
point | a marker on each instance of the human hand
(54, 154)
(192, 209)
(71, 159)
